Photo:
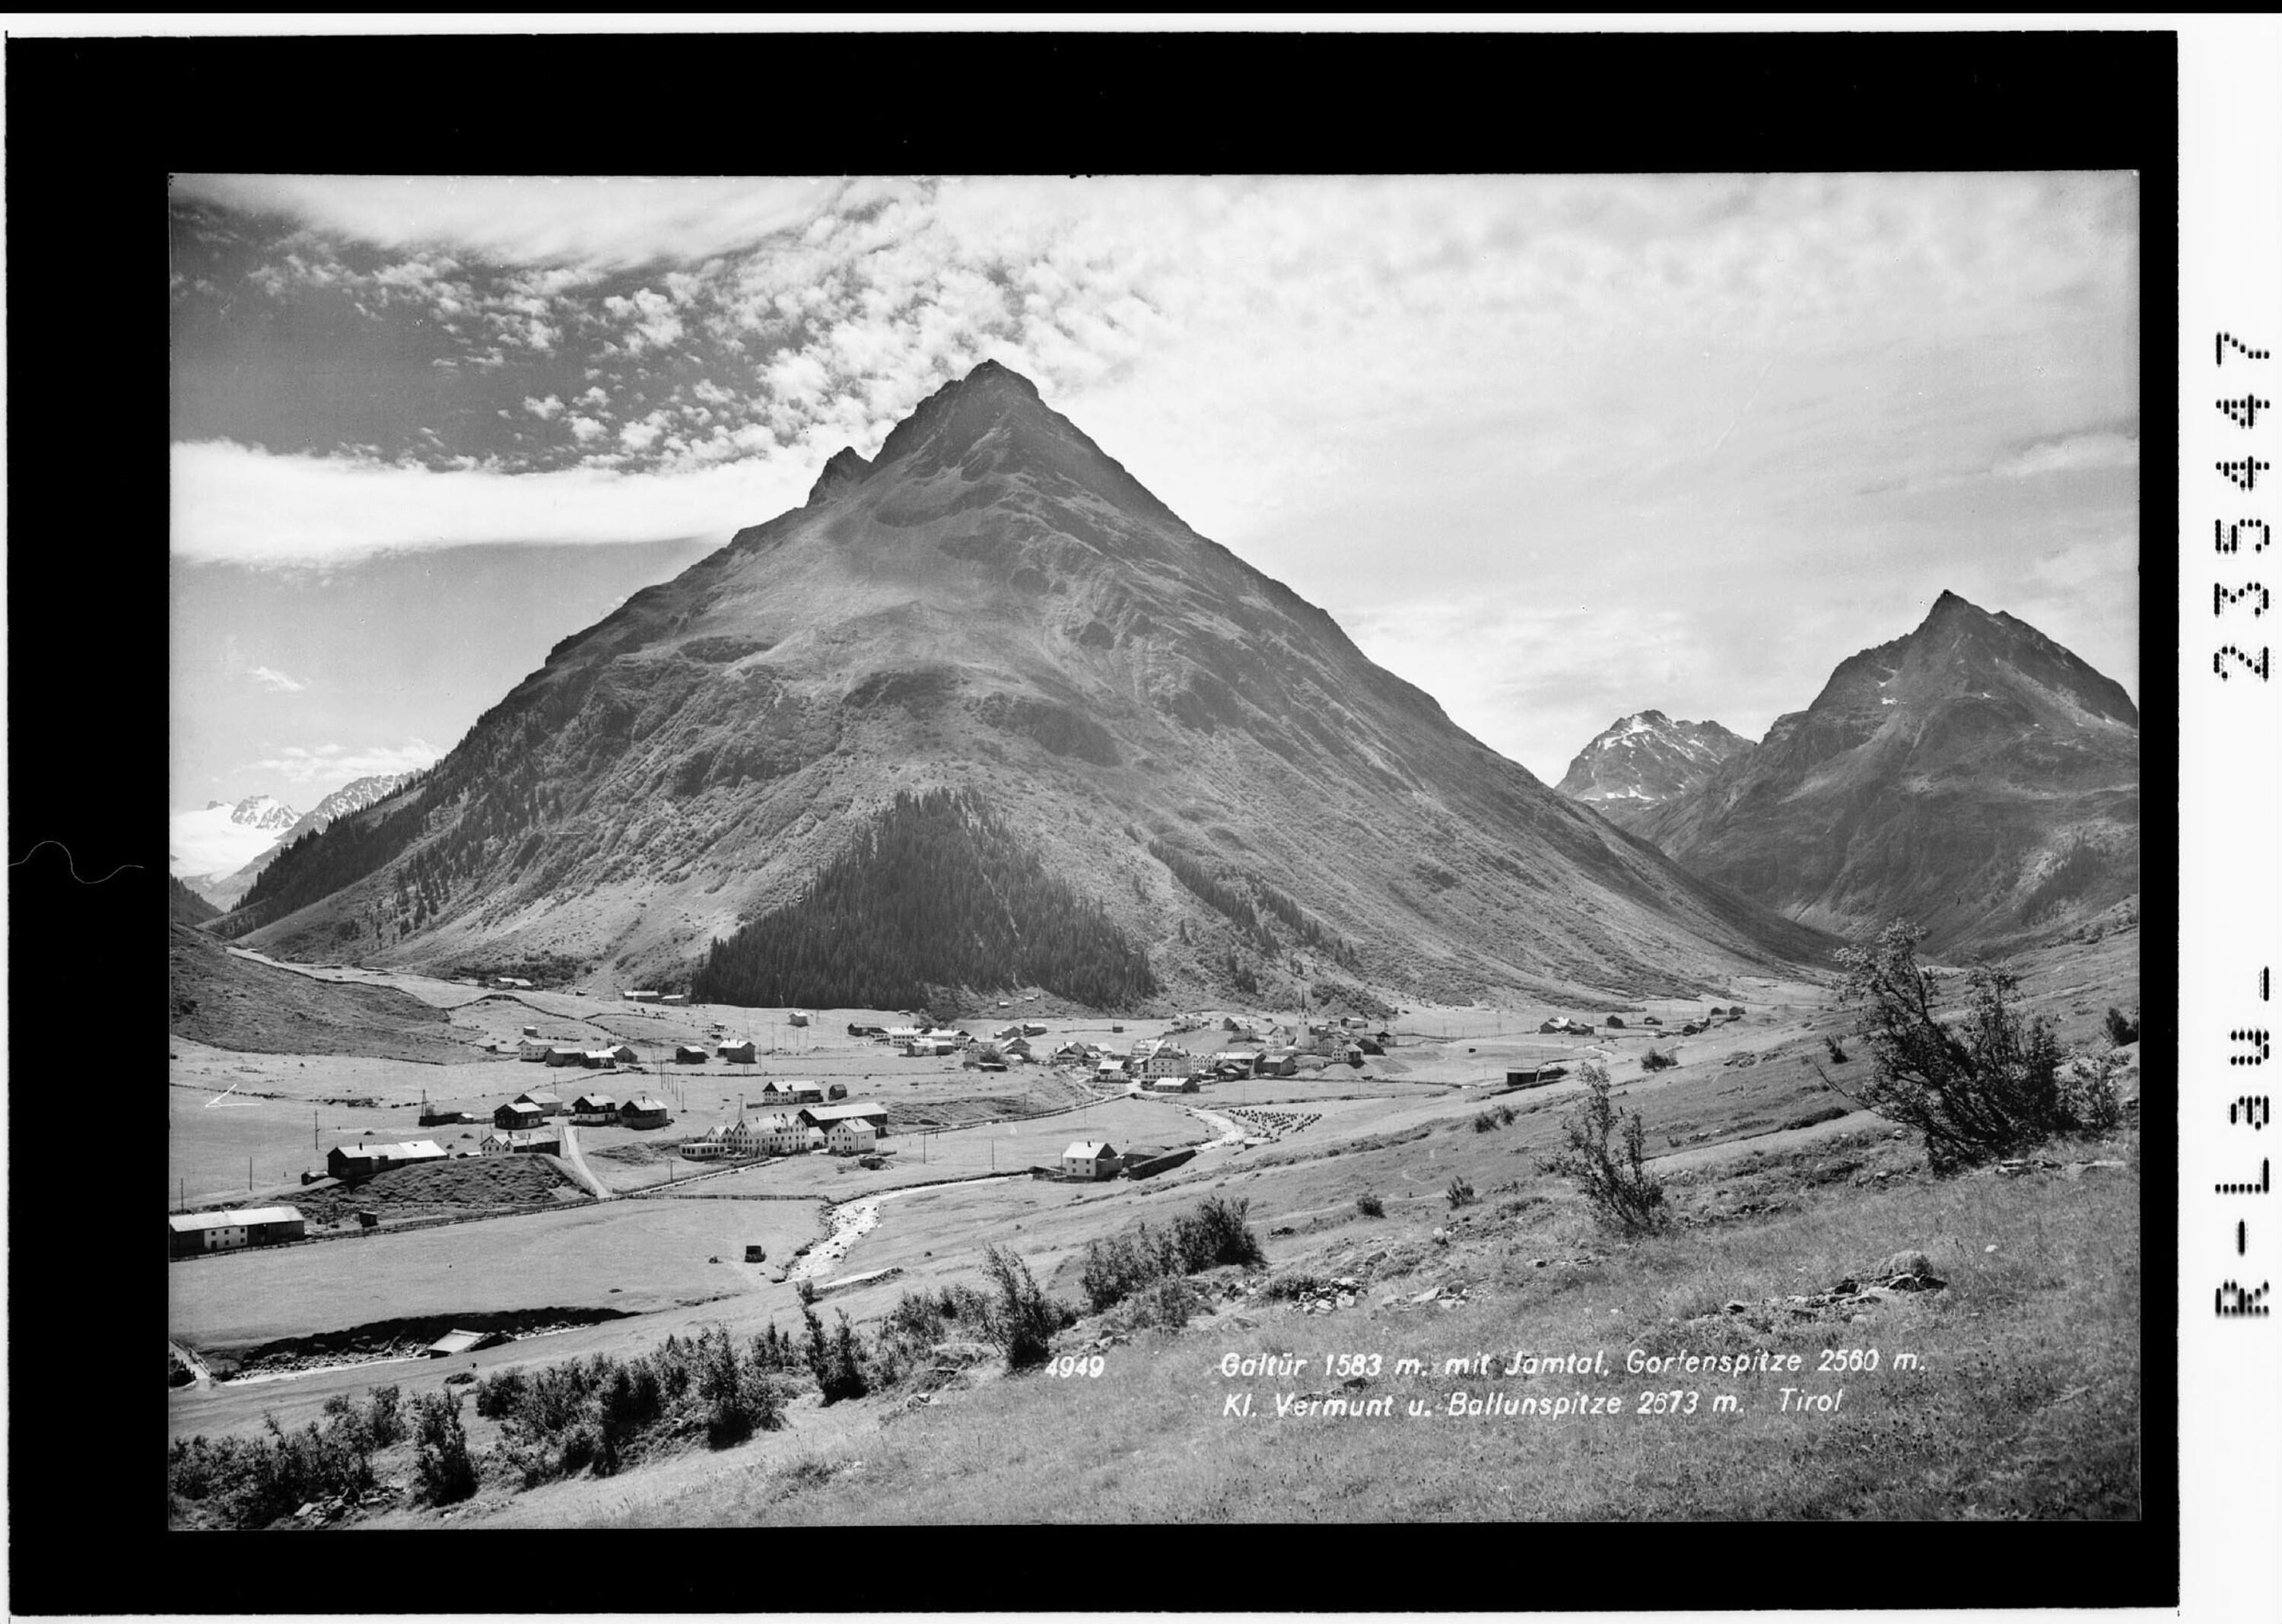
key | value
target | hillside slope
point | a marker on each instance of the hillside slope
(218, 998)
(994, 606)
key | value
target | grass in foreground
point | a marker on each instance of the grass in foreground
(2023, 1403)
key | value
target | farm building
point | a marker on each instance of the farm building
(599, 1060)
(514, 983)
(1087, 1159)
(739, 1051)
(522, 1142)
(1005, 1032)
(798, 1017)
(595, 1104)
(689, 1054)
(851, 1138)
(1109, 1071)
(532, 1046)
(641, 1111)
(357, 1161)
(864, 1110)
(1243, 1062)
(1014, 1046)
(518, 1114)
(711, 1145)
(801, 1093)
(1172, 1085)
(675, 997)
(1031, 1028)
(459, 1342)
(189, 1234)
(547, 1100)
(837, 1091)
(622, 1052)
(1168, 1061)
(562, 1054)
(749, 1136)
(647, 995)
(1533, 1077)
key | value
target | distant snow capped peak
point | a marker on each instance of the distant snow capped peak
(263, 811)
(1646, 758)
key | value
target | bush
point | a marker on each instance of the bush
(1656, 1060)
(1461, 1192)
(1496, 1117)
(1025, 1319)
(1216, 1233)
(442, 1466)
(1606, 1158)
(1837, 1051)
(2123, 1029)
(1370, 1206)
(1165, 1305)
(1989, 1087)
(1117, 1267)
(2089, 1095)
(836, 1362)
(500, 1395)
(383, 1417)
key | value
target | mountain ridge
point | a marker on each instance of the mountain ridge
(1973, 774)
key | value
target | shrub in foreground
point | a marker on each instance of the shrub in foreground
(2122, 1028)
(1370, 1206)
(1605, 1155)
(1988, 1086)
(1024, 1319)
(1656, 1059)
(440, 1464)
(1461, 1192)
(1213, 1234)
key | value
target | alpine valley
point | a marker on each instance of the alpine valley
(986, 711)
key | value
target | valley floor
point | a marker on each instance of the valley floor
(2018, 1396)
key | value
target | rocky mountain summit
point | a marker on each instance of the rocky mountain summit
(987, 663)
(1639, 762)
(1973, 776)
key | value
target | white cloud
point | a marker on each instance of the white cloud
(2070, 454)
(329, 767)
(275, 681)
(595, 397)
(586, 431)
(239, 504)
(545, 410)
(651, 315)
(614, 223)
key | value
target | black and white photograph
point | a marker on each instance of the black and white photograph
(910, 848)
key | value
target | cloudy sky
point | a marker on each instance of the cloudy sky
(1556, 449)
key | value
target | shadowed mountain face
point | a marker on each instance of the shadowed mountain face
(1973, 776)
(1640, 762)
(992, 606)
